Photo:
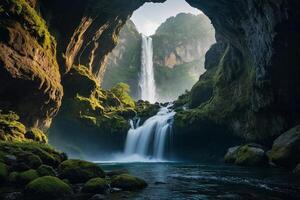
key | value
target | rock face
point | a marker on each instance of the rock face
(179, 47)
(248, 82)
(286, 149)
(124, 61)
(29, 73)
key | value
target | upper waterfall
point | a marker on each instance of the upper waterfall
(147, 82)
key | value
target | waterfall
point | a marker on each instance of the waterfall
(147, 82)
(149, 140)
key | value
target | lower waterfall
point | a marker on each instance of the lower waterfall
(149, 140)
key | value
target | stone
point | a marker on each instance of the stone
(95, 185)
(14, 196)
(98, 197)
(3, 172)
(78, 171)
(47, 188)
(285, 151)
(27, 176)
(128, 183)
(46, 170)
(246, 155)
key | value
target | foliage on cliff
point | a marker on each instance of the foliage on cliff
(125, 60)
(179, 47)
(91, 113)
(28, 65)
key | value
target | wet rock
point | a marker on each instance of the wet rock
(128, 183)
(246, 155)
(12, 178)
(10, 159)
(14, 196)
(78, 171)
(47, 188)
(285, 151)
(297, 170)
(117, 172)
(98, 197)
(95, 185)
(231, 154)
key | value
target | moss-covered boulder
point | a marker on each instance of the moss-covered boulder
(36, 134)
(297, 170)
(247, 155)
(78, 171)
(286, 149)
(3, 172)
(13, 177)
(27, 176)
(128, 183)
(231, 154)
(29, 159)
(47, 188)
(96, 186)
(10, 127)
(46, 170)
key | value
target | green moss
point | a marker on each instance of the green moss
(128, 183)
(78, 171)
(46, 153)
(47, 188)
(10, 128)
(3, 172)
(36, 134)
(121, 90)
(46, 170)
(35, 23)
(27, 176)
(96, 185)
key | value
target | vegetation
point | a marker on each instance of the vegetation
(47, 188)
(78, 171)
(96, 186)
(128, 183)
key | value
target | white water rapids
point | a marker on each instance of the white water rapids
(149, 140)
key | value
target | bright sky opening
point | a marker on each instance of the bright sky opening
(151, 15)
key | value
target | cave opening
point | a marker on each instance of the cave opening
(161, 51)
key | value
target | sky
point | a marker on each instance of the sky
(148, 17)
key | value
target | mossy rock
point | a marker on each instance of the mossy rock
(251, 156)
(128, 183)
(297, 170)
(3, 172)
(46, 170)
(37, 135)
(29, 159)
(47, 188)
(27, 176)
(95, 186)
(78, 171)
(285, 151)
(13, 177)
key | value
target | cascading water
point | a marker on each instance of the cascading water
(149, 140)
(147, 82)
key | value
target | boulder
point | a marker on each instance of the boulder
(47, 188)
(117, 172)
(3, 172)
(128, 183)
(46, 170)
(95, 186)
(27, 176)
(246, 155)
(285, 151)
(78, 171)
(297, 169)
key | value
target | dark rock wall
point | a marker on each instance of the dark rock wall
(253, 86)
